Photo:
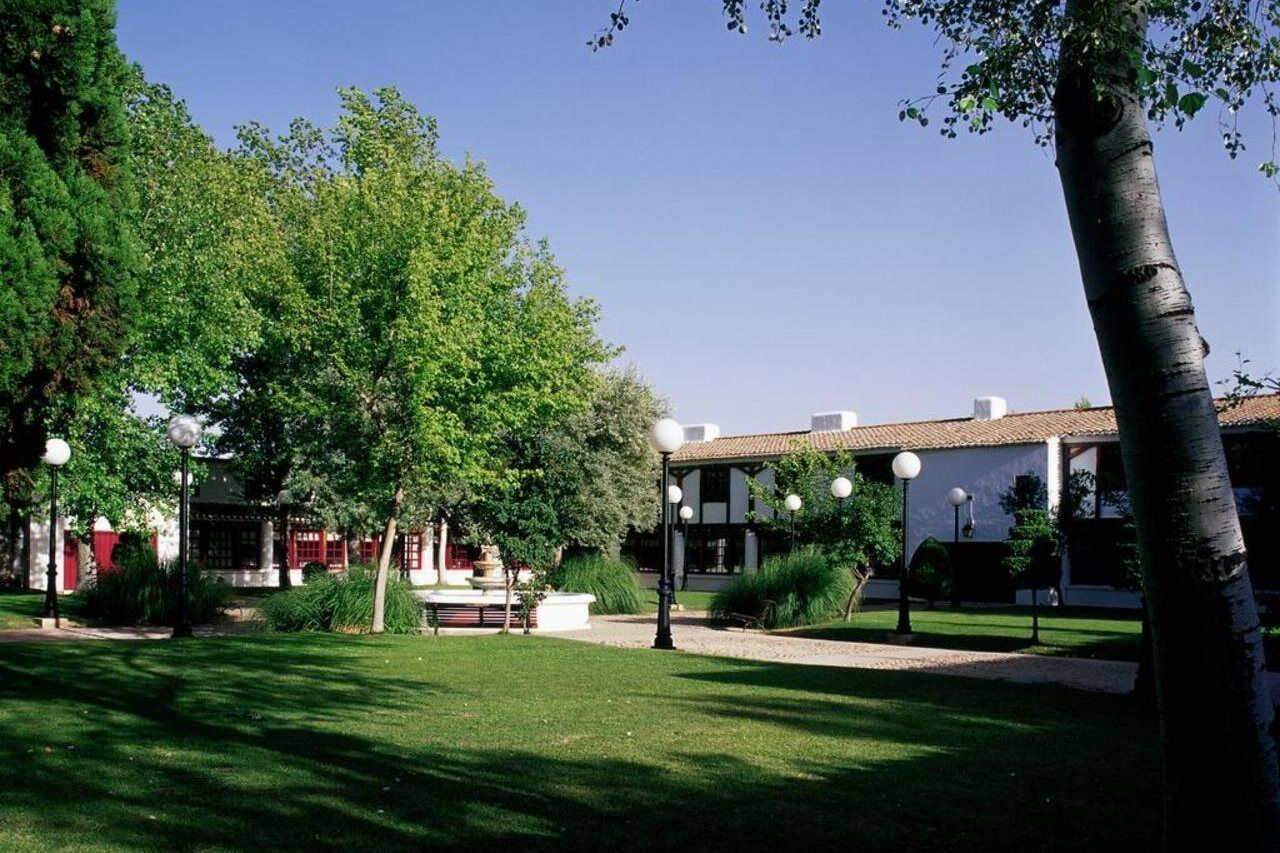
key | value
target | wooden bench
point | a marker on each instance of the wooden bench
(475, 615)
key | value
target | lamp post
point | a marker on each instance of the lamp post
(906, 467)
(956, 497)
(793, 504)
(674, 495)
(184, 431)
(666, 437)
(56, 454)
(686, 513)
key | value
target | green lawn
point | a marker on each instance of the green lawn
(1079, 632)
(20, 609)
(406, 743)
(689, 599)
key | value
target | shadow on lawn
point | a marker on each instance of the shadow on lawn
(957, 770)
(1117, 646)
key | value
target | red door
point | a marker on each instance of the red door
(104, 542)
(70, 563)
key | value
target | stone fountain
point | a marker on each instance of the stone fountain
(488, 569)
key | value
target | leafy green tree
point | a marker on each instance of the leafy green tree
(437, 330)
(1031, 557)
(858, 532)
(582, 479)
(67, 254)
(1088, 76)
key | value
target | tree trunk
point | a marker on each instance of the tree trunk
(510, 577)
(384, 564)
(1220, 770)
(87, 573)
(1144, 683)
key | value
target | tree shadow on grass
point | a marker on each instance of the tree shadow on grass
(303, 745)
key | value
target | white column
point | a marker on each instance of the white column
(266, 553)
(442, 562)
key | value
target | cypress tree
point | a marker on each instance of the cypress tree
(66, 252)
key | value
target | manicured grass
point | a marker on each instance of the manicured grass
(326, 742)
(1078, 632)
(688, 599)
(19, 609)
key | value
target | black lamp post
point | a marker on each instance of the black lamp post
(686, 513)
(674, 495)
(956, 497)
(793, 504)
(906, 467)
(184, 431)
(666, 436)
(56, 454)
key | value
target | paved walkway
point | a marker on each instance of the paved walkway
(694, 634)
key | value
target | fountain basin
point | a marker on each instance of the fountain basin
(483, 608)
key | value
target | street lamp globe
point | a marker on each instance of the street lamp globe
(184, 431)
(906, 465)
(793, 503)
(666, 435)
(957, 496)
(56, 452)
(674, 494)
(686, 513)
(841, 487)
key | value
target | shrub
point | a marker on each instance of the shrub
(142, 590)
(931, 571)
(806, 587)
(342, 603)
(313, 570)
(612, 581)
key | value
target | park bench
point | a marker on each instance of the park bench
(754, 620)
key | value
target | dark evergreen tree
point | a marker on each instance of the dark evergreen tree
(66, 252)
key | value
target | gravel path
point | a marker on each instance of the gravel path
(693, 634)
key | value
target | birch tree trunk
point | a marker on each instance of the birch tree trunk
(1220, 773)
(384, 564)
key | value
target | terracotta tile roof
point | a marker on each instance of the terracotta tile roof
(1025, 428)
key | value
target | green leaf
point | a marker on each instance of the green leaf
(1191, 102)
(967, 103)
(1146, 76)
(1171, 94)
(990, 104)
(1193, 70)
(912, 112)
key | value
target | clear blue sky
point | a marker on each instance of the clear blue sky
(764, 237)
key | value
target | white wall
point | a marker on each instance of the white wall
(984, 472)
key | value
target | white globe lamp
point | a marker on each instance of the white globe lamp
(56, 452)
(841, 488)
(906, 465)
(666, 435)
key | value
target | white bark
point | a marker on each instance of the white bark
(384, 564)
(1221, 777)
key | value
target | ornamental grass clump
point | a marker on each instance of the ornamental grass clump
(143, 590)
(612, 581)
(804, 588)
(342, 604)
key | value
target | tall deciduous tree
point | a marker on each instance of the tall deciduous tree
(1088, 75)
(437, 330)
(66, 250)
